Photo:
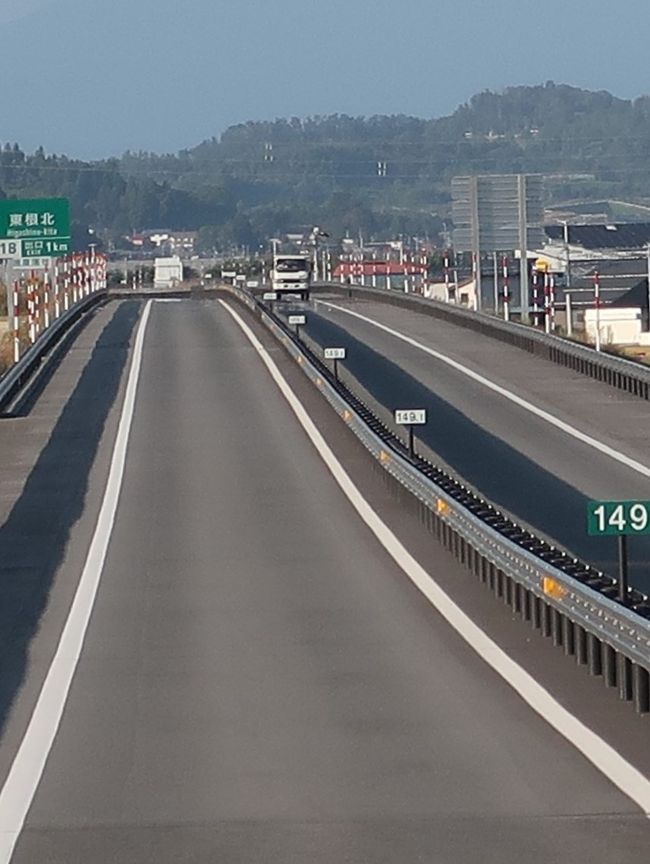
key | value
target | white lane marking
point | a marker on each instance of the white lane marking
(27, 768)
(614, 766)
(617, 455)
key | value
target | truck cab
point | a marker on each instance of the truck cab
(291, 274)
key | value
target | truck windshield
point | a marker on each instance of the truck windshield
(291, 266)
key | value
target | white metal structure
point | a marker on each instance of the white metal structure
(168, 272)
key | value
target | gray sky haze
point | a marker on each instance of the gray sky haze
(93, 78)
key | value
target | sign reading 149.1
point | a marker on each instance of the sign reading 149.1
(618, 518)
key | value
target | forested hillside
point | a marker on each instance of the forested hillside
(377, 175)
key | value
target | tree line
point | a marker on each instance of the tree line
(377, 176)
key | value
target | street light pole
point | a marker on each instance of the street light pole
(315, 240)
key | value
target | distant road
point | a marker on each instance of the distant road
(530, 468)
(261, 683)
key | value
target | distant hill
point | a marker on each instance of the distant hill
(386, 171)
(378, 175)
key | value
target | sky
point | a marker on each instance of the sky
(93, 78)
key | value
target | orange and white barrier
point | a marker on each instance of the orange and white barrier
(39, 299)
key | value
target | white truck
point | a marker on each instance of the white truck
(291, 274)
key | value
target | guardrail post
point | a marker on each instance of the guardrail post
(556, 627)
(518, 599)
(581, 645)
(624, 678)
(641, 691)
(609, 666)
(568, 636)
(509, 598)
(594, 655)
(492, 577)
(535, 611)
(527, 608)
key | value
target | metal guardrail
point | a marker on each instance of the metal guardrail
(604, 635)
(13, 381)
(615, 371)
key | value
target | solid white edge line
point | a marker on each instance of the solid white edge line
(602, 755)
(617, 455)
(29, 763)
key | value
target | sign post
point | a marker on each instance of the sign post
(620, 519)
(297, 321)
(411, 417)
(335, 354)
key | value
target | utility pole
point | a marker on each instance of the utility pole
(446, 269)
(476, 240)
(648, 263)
(597, 305)
(547, 302)
(567, 253)
(524, 299)
(314, 238)
(535, 297)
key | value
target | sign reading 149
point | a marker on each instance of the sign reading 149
(618, 518)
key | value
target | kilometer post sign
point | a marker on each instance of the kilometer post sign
(618, 518)
(34, 228)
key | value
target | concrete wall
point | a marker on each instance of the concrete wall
(464, 294)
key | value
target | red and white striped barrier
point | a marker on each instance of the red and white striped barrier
(39, 299)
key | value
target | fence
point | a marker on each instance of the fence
(40, 297)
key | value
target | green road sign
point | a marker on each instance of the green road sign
(618, 518)
(41, 224)
(46, 248)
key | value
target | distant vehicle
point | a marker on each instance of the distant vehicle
(291, 274)
(168, 272)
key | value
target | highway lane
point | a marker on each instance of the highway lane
(531, 469)
(53, 455)
(621, 420)
(260, 682)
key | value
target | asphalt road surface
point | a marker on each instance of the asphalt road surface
(532, 470)
(260, 683)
